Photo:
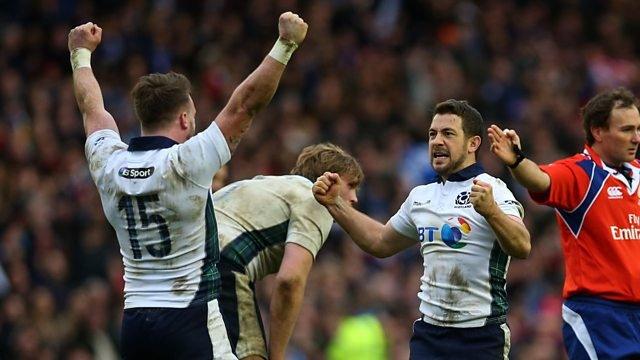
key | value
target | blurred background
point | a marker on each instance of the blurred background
(365, 78)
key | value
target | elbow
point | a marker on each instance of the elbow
(523, 250)
(247, 104)
(381, 253)
(289, 283)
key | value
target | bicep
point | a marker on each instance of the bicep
(98, 120)
(564, 190)
(296, 262)
(233, 122)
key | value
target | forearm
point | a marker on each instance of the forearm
(365, 231)
(531, 177)
(513, 237)
(251, 96)
(87, 91)
(286, 302)
(90, 102)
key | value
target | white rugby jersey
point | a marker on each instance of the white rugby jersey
(155, 193)
(257, 217)
(464, 280)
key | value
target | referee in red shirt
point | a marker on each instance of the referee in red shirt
(597, 201)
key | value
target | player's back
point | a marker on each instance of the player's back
(156, 195)
(257, 217)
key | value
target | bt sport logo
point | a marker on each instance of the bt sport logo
(450, 233)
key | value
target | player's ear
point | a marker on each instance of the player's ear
(183, 120)
(597, 133)
(474, 143)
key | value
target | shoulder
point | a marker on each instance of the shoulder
(284, 183)
(494, 181)
(421, 189)
(572, 161)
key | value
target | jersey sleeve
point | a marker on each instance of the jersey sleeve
(565, 189)
(99, 147)
(402, 221)
(309, 224)
(200, 157)
(505, 199)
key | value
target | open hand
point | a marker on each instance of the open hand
(502, 143)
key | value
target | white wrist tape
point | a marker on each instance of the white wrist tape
(80, 57)
(282, 50)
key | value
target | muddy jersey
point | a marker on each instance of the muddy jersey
(257, 217)
(465, 268)
(155, 193)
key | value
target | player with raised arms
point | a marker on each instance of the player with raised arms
(155, 192)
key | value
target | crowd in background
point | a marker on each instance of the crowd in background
(365, 78)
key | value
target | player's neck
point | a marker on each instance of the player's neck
(468, 162)
(606, 159)
(173, 134)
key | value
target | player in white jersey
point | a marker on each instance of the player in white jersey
(155, 193)
(468, 225)
(273, 224)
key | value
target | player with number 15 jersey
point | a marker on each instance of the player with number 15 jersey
(155, 193)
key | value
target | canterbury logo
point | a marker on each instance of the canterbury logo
(614, 192)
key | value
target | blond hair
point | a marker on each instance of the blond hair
(314, 160)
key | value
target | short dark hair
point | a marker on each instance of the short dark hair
(158, 97)
(598, 110)
(472, 123)
(315, 160)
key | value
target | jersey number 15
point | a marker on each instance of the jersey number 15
(156, 250)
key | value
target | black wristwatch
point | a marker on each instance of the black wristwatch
(519, 157)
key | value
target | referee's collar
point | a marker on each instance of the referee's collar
(146, 143)
(467, 173)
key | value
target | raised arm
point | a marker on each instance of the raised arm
(526, 172)
(83, 40)
(287, 297)
(370, 235)
(256, 91)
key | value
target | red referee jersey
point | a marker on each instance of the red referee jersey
(598, 213)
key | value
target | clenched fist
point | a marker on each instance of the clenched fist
(292, 27)
(86, 36)
(482, 198)
(326, 189)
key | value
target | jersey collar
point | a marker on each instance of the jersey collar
(593, 155)
(467, 173)
(146, 143)
(588, 151)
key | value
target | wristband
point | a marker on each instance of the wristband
(80, 57)
(519, 157)
(282, 50)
